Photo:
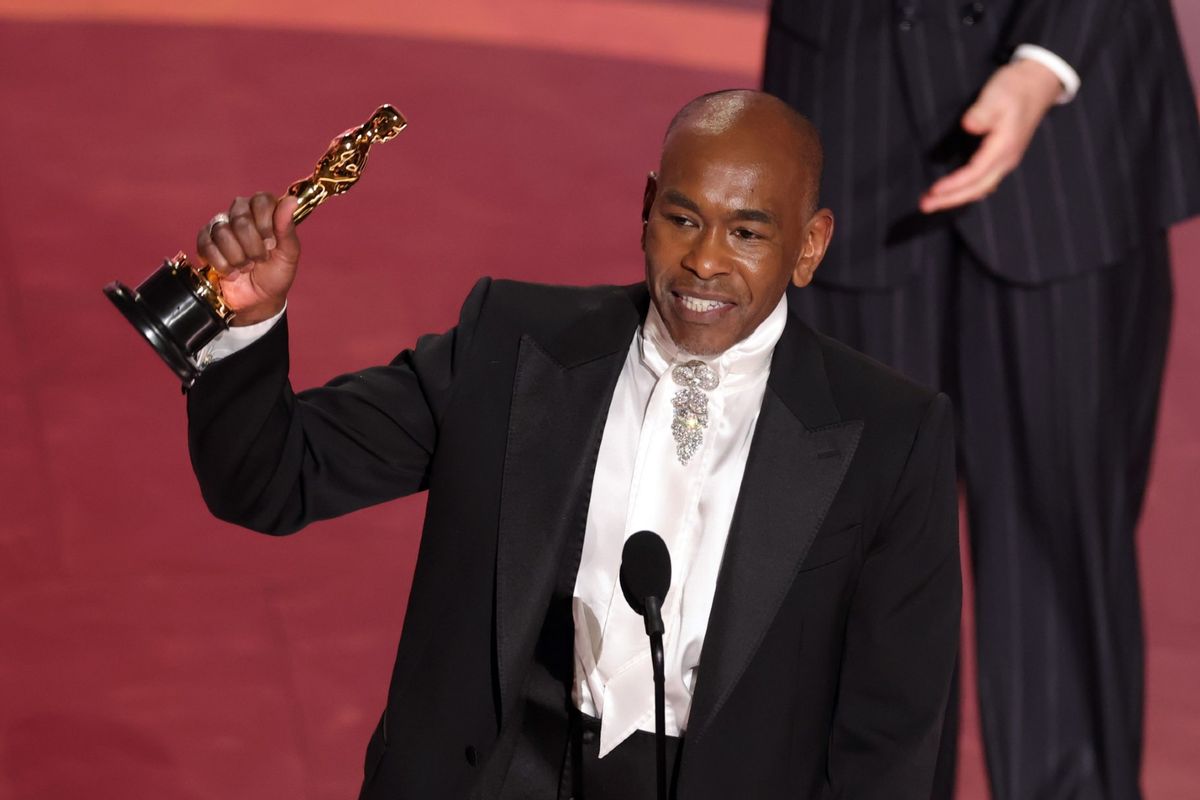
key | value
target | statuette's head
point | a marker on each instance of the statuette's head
(386, 123)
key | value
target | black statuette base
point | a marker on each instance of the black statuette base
(169, 315)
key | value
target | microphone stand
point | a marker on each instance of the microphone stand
(645, 581)
(654, 629)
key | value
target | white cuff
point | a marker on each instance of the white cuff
(1066, 75)
(233, 339)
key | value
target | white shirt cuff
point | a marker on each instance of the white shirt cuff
(233, 339)
(1066, 75)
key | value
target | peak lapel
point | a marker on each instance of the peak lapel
(799, 456)
(561, 394)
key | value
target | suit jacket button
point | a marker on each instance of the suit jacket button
(589, 736)
(472, 755)
(972, 13)
(908, 16)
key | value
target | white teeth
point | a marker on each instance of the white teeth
(696, 304)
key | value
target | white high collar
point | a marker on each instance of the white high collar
(748, 358)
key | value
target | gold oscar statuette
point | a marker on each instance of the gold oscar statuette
(179, 308)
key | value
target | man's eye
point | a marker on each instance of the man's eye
(746, 233)
(681, 221)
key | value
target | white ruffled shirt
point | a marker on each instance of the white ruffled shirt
(640, 484)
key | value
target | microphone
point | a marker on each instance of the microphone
(646, 577)
(645, 581)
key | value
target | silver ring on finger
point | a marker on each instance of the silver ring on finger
(218, 219)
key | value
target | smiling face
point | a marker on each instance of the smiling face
(729, 220)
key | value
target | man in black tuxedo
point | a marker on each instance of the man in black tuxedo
(1004, 172)
(807, 495)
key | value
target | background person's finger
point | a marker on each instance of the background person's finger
(982, 117)
(986, 160)
(970, 193)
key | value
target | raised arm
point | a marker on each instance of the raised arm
(274, 461)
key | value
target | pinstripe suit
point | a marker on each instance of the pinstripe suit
(1043, 310)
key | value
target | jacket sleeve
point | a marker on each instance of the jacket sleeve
(903, 631)
(273, 461)
(1074, 30)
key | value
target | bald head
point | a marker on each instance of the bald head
(741, 114)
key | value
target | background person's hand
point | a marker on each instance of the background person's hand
(1006, 114)
(255, 250)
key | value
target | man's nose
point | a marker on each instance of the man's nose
(706, 257)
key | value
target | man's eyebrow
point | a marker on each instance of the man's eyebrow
(678, 198)
(755, 215)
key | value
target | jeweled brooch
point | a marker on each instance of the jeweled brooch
(691, 406)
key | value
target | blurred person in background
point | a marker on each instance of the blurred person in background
(1004, 173)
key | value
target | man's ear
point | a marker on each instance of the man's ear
(648, 202)
(817, 234)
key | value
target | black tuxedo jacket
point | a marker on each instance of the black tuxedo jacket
(886, 81)
(834, 627)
